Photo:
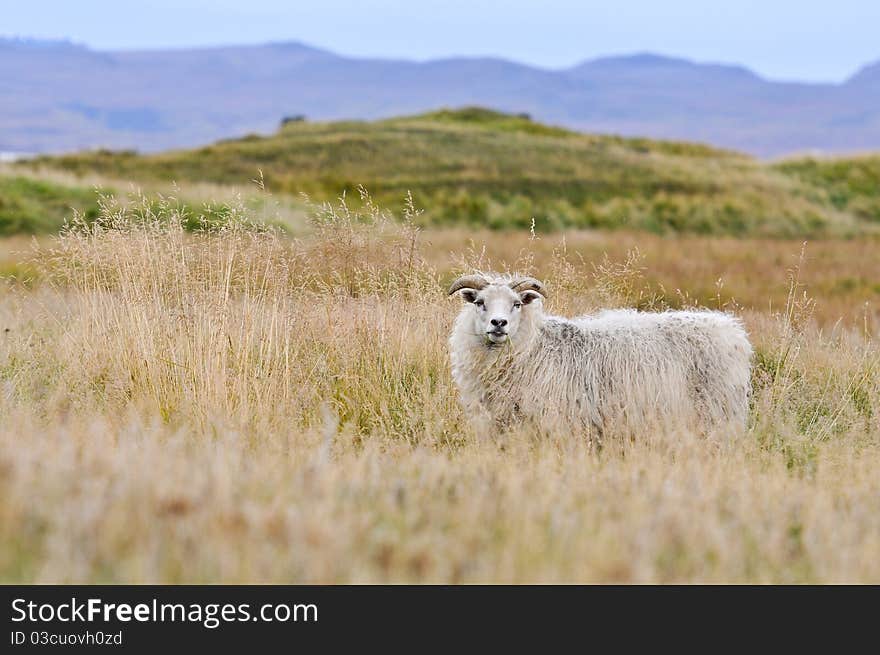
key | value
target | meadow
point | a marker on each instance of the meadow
(229, 364)
(187, 399)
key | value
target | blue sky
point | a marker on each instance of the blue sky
(780, 39)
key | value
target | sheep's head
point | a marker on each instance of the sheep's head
(497, 305)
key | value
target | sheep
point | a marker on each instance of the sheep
(617, 371)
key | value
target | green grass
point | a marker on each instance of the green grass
(38, 204)
(31, 206)
(478, 167)
(850, 184)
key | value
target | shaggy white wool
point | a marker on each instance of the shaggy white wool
(618, 371)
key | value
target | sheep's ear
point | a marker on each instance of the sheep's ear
(528, 296)
(469, 295)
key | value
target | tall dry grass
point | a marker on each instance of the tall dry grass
(239, 406)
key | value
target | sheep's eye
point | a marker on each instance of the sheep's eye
(517, 305)
(479, 303)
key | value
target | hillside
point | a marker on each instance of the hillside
(60, 97)
(851, 184)
(479, 167)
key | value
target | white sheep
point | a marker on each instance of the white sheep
(618, 371)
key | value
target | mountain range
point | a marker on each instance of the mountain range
(56, 96)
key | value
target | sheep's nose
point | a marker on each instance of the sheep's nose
(498, 322)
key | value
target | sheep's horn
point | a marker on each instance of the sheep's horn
(468, 282)
(528, 283)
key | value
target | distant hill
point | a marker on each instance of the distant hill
(484, 168)
(57, 96)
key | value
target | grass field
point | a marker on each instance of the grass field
(238, 405)
(476, 167)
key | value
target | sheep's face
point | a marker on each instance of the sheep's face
(497, 311)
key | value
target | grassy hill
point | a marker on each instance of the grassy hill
(479, 167)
